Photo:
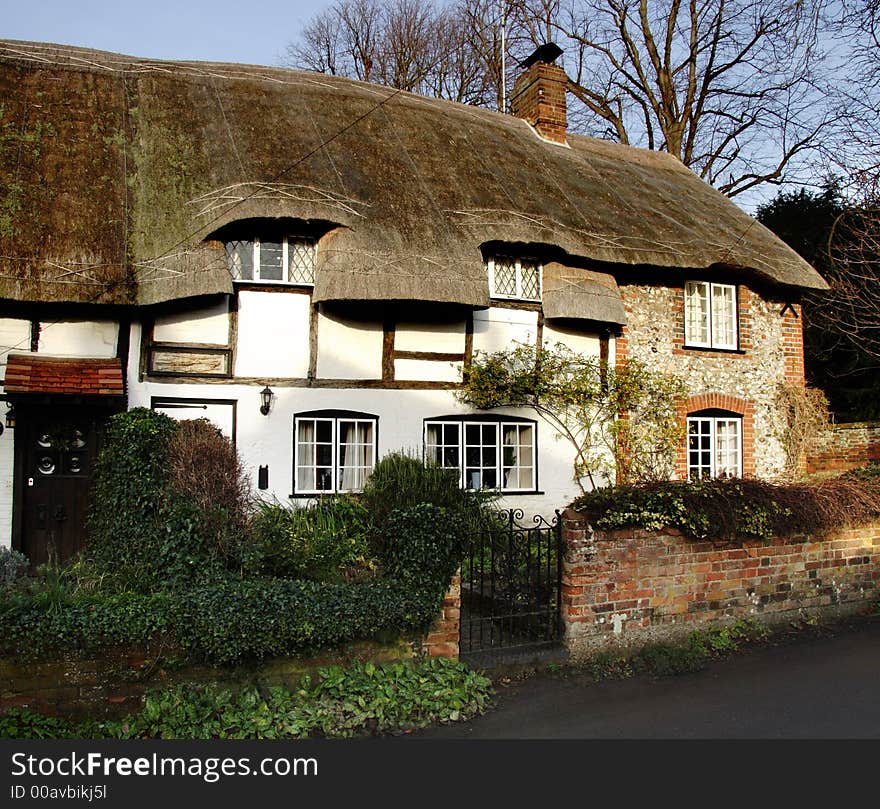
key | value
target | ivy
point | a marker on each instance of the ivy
(336, 702)
(729, 509)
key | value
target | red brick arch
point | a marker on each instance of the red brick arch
(720, 401)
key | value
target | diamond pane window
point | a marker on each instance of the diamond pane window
(288, 260)
(514, 278)
(301, 258)
(240, 260)
(504, 277)
(531, 280)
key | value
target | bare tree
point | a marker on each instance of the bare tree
(857, 29)
(449, 51)
(732, 88)
(343, 40)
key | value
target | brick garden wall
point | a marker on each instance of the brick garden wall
(843, 447)
(628, 587)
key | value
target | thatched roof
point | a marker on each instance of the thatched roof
(115, 170)
(572, 293)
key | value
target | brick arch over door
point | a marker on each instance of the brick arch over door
(720, 401)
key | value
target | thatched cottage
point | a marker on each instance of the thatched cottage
(307, 260)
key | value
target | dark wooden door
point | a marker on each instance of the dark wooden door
(56, 466)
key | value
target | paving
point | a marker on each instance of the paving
(818, 684)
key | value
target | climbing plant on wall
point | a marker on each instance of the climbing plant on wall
(622, 422)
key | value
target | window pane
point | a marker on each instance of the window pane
(531, 281)
(723, 316)
(314, 455)
(301, 261)
(505, 277)
(696, 312)
(240, 260)
(441, 445)
(324, 431)
(699, 448)
(271, 261)
(355, 453)
(727, 452)
(518, 469)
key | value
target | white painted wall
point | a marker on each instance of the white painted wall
(208, 325)
(445, 338)
(7, 446)
(221, 415)
(427, 370)
(273, 335)
(578, 341)
(496, 329)
(79, 338)
(15, 335)
(268, 440)
(348, 349)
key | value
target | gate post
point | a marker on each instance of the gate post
(443, 636)
(578, 548)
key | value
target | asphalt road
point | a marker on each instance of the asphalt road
(825, 687)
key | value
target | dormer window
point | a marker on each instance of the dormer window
(275, 260)
(514, 278)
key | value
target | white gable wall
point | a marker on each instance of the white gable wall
(496, 329)
(79, 338)
(209, 325)
(348, 349)
(273, 335)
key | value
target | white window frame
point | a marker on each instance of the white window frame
(518, 296)
(712, 422)
(335, 470)
(499, 450)
(285, 261)
(708, 289)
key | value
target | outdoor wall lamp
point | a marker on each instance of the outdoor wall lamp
(266, 400)
(10, 416)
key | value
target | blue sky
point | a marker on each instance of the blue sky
(222, 30)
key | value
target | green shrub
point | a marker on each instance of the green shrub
(400, 481)
(327, 541)
(13, 567)
(225, 622)
(728, 509)
(425, 541)
(361, 698)
(149, 529)
(20, 723)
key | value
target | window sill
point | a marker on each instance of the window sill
(712, 349)
(249, 282)
(315, 495)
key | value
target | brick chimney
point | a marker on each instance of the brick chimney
(539, 93)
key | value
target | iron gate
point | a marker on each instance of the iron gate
(510, 584)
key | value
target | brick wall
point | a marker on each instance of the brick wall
(539, 98)
(843, 447)
(442, 639)
(625, 588)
